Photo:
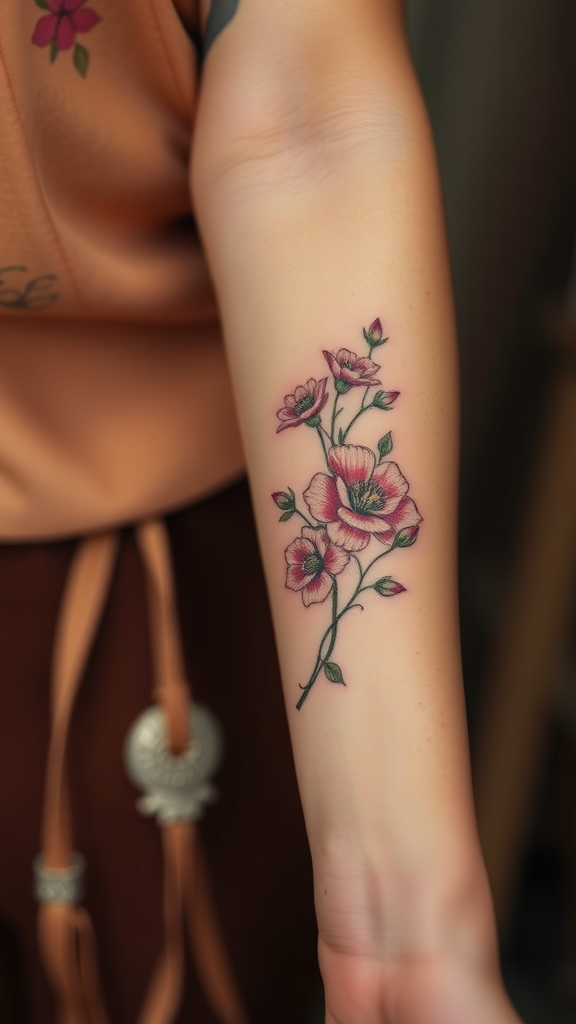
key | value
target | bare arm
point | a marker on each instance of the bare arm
(318, 201)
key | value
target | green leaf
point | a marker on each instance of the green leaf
(385, 446)
(333, 672)
(53, 51)
(286, 516)
(405, 538)
(341, 436)
(81, 59)
(42, 4)
(342, 386)
(387, 587)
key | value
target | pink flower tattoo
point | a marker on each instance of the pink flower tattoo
(58, 29)
(304, 405)
(350, 370)
(313, 560)
(359, 498)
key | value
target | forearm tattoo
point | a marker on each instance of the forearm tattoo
(221, 12)
(358, 501)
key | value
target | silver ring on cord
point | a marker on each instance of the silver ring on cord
(59, 885)
(176, 786)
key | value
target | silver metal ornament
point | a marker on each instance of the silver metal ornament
(176, 787)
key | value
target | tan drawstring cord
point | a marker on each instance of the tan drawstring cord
(65, 930)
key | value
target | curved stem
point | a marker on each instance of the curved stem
(334, 415)
(333, 627)
(322, 659)
(305, 518)
(323, 443)
(363, 408)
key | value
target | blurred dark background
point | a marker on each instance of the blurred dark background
(499, 79)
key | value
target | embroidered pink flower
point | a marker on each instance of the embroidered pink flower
(66, 19)
(350, 370)
(313, 560)
(305, 405)
(362, 500)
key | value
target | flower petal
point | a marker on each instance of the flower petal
(392, 482)
(322, 497)
(320, 539)
(405, 514)
(368, 524)
(386, 537)
(367, 365)
(335, 559)
(85, 19)
(288, 419)
(347, 537)
(65, 33)
(317, 590)
(45, 30)
(352, 462)
(297, 552)
(296, 578)
(332, 363)
(344, 355)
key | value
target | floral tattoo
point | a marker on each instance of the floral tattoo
(58, 28)
(360, 498)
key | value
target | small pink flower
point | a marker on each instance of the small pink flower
(362, 500)
(305, 405)
(313, 560)
(66, 19)
(350, 370)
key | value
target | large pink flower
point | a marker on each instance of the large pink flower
(362, 500)
(304, 405)
(313, 560)
(351, 370)
(66, 19)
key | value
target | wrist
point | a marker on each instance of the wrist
(371, 905)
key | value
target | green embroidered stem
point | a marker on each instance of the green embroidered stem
(333, 627)
(334, 415)
(363, 408)
(322, 659)
(323, 443)
(305, 518)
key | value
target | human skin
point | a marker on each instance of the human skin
(318, 201)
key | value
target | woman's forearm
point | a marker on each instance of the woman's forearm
(307, 250)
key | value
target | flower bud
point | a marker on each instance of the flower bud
(387, 587)
(384, 399)
(283, 500)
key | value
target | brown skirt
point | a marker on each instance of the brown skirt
(253, 837)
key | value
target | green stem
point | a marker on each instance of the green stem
(322, 659)
(305, 518)
(334, 415)
(333, 627)
(363, 408)
(323, 443)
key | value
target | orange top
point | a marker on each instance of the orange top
(115, 401)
